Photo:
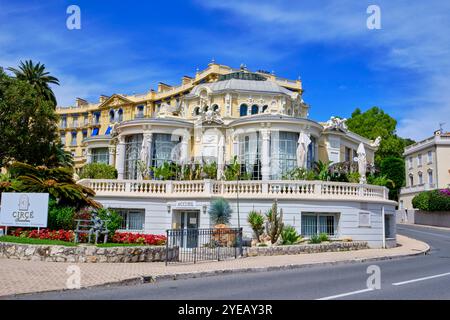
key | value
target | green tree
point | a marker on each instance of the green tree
(220, 211)
(394, 168)
(375, 123)
(28, 131)
(37, 77)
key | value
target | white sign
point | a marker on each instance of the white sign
(24, 210)
(185, 204)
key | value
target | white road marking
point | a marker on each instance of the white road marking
(421, 279)
(346, 294)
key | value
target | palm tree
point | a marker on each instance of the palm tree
(36, 76)
(59, 157)
(58, 182)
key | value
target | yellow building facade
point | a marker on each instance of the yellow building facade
(215, 115)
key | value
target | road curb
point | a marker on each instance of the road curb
(203, 274)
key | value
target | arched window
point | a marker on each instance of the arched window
(215, 108)
(196, 111)
(111, 115)
(243, 111)
(411, 180)
(255, 109)
(264, 108)
(120, 115)
(205, 108)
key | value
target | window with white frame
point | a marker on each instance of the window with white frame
(317, 223)
(411, 180)
(430, 177)
(410, 160)
(100, 155)
(430, 157)
(419, 160)
(132, 219)
(420, 178)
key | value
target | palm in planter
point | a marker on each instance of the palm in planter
(220, 214)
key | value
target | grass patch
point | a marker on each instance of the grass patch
(36, 241)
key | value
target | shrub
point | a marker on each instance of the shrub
(256, 221)
(315, 239)
(60, 217)
(324, 237)
(220, 211)
(289, 236)
(98, 171)
(435, 200)
(148, 239)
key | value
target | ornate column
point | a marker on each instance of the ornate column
(120, 157)
(265, 154)
(112, 155)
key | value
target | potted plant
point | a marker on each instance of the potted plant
(220, 214)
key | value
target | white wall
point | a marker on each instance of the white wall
(158, 219)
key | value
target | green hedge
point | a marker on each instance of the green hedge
(434, 200)
(98, 171)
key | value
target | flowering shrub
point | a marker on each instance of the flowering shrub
(148, 239)
(435, 200)
(61, 235)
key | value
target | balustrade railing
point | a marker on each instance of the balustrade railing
(232, 189)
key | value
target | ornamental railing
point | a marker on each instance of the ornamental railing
(288, 189)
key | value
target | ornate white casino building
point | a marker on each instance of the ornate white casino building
(221, 114)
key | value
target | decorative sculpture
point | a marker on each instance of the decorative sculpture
(362, 163)
(336, 124)
(376, 143)
(302, 149)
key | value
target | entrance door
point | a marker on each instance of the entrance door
(190, 222)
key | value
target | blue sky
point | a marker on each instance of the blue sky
(128, 46)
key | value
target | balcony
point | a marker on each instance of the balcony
(312, 190)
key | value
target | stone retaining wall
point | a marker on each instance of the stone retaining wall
(85, 253)
(304, 248)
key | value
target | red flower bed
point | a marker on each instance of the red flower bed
(61, 235)
(149, 239)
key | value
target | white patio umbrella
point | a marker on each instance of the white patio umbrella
(362, 163)
(302, 148)
(220, 157)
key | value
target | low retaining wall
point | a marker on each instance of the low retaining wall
(304, 248)
(84, 253)
(432, 218)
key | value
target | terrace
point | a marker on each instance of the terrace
(280, 189)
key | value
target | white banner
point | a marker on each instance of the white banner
(24, 210)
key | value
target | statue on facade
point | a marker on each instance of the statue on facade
(304, 141)
(362, 163)
(376, 143)
(336, 123)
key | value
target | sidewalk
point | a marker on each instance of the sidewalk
(17, 277)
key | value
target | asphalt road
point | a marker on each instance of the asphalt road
(419, 277)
